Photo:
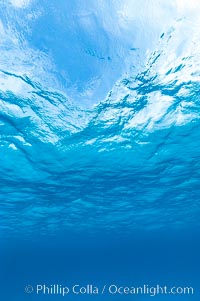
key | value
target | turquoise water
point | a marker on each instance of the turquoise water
(99, 128)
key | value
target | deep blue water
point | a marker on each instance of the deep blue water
(100, 146)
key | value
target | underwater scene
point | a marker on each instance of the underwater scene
(99, 150)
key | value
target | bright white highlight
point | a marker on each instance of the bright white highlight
(20, 3)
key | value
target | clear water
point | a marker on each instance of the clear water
(99, 128)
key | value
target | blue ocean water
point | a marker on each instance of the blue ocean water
(99, 128)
